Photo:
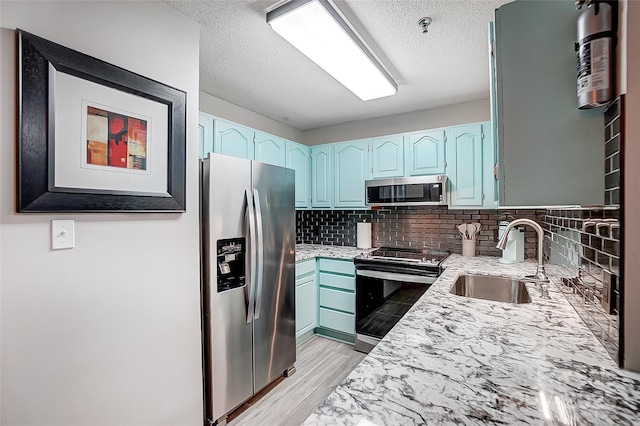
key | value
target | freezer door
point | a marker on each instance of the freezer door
(228, 330)
(274, 317)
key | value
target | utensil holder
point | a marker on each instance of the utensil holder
(469, 248)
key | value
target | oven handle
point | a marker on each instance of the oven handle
(393, 276)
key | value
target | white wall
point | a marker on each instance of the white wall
(107, 333)
(223, 109)
(468, 112)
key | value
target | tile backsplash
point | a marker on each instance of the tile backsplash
(612, 144)
(421, 227)
(587, 243)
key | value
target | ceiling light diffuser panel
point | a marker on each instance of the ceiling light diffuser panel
(318, 30)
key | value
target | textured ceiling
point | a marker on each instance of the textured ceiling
(246, 63)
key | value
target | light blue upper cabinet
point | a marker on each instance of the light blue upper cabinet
(233, 139)
(270, 149)
(351, 162)
(205, 134)
(299, 160)
(464, 165)
(489, 162)
(387, 157)
(322, 176)
(550, 152)
(491, 142)
(424, 153)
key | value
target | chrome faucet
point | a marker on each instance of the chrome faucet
(540, 276)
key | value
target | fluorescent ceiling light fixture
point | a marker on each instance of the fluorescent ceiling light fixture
(318, 30)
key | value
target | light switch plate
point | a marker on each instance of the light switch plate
(62, 234)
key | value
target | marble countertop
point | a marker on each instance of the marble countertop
(308, 251)
(457, 360)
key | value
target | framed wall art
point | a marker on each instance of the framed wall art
(94, 137)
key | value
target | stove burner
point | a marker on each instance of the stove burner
(405, 254)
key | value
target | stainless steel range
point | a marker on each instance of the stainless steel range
(388, 282)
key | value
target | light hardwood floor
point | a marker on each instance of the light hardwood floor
(321, 364)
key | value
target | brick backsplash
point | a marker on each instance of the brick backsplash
(421, 227)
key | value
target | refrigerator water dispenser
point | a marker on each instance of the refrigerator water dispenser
(231, 254)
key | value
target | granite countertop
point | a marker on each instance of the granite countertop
(308, 251)
(458, 360)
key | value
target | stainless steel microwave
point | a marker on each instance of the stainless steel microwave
(409, 191)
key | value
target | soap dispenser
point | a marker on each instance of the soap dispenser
(514, 251)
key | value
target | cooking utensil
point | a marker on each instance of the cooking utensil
(478, 227)
(463, 230)
(470, 230)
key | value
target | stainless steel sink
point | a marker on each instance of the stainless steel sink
(489, 287)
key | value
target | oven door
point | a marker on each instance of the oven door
(382, 298)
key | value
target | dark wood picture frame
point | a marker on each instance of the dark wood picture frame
(36, 192)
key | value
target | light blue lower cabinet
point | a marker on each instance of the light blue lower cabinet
(342, 282)
(339, 321)
(336, 299)
(306, 300)
(326, 299)
(337, 266)
(306, 307)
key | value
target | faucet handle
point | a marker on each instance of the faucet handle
(545, 291)
(535, 279)
(540, 273)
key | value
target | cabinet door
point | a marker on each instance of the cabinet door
(550, 152)
(351, 170)
(270, 149)
(306, 305)
(489, 182)
(464, 165)
(387, 159)
(232, 139)
(425, 153)
(336, 300)
(491, 142)
(205, 134)
(299, 160)
(321, 176)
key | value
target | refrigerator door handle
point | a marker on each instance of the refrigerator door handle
(253, 258)
(260, 252)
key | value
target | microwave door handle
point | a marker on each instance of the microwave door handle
(260, 253)
(251, 228)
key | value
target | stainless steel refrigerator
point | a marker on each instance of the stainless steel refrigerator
(248, 279)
